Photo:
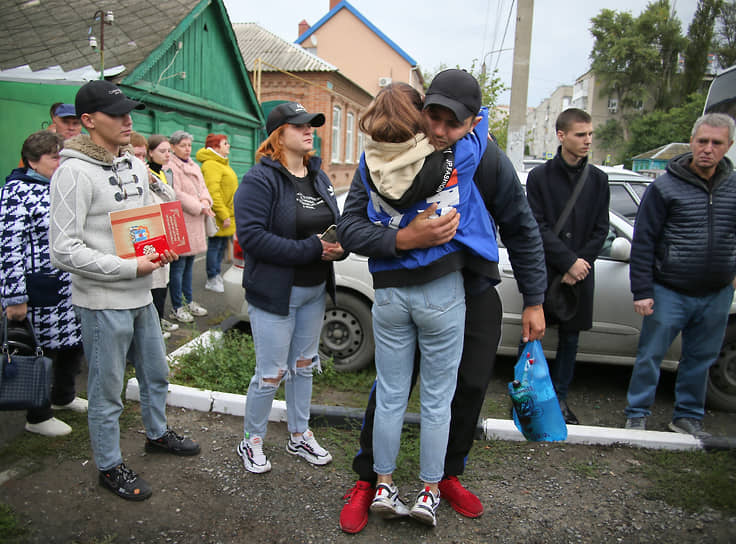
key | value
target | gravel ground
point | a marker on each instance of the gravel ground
(532, 493)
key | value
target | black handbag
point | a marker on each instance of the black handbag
(25, 376)
(43, 290)
(561, 299)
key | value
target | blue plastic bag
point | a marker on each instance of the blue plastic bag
(536, 409)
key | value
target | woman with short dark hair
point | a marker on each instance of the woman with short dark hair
(24, 225)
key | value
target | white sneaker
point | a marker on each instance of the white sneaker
(50, 427)
(196, 310)
(386, 502)
(425, 507)
(306, 446)
(166, 335)
(78, 405)
(212, 284)
(168, 326)
(182, 315)
(250, 451)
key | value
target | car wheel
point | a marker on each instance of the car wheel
(347, 333)
(722, 380)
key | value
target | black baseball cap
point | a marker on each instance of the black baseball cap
(457, 91)
(292, 113)
(101, 95)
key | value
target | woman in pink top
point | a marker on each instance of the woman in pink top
(196, 203)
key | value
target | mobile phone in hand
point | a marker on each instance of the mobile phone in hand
(330, 234)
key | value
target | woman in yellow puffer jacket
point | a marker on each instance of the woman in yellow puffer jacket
(221, 182)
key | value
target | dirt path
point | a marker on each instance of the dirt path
(532, 493)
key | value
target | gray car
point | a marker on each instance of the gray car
(347, 333)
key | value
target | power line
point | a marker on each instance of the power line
(505, 30)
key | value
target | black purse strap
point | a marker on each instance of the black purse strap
(573, 198)
(29, 327)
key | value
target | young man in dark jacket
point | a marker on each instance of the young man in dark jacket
(570, 255)
(451, 93)
(683, 262)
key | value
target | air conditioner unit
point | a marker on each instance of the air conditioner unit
(383, 81)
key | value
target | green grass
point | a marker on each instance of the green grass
(589, 469)
(10, 529)
(691, 480)
(227, 365)
(31, 449)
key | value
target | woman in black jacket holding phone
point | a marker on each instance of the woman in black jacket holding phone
(283, 205)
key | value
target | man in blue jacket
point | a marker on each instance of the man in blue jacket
(683, 263)
(451, 106)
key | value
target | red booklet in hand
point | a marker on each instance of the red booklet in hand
(147, 223)
(150, 246)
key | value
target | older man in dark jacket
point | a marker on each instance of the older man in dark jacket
(571, 253)
(683, 262)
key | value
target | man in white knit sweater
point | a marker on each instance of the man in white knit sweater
(111, 295)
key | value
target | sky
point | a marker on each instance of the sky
(435, 32)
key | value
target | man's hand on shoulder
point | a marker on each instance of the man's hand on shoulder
(428, 229)
(533, 323)
(644, 306)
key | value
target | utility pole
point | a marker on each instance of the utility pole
(520, 82)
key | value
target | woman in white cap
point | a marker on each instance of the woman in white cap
(283, 207)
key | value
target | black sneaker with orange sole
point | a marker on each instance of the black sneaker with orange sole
(125, 483)
(170, 442)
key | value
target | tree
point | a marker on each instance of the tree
(726, 36)
(610, 136)
(662, 30)
(658, 128)
(700, 42)
(635, 61)
(623, 61)
(490, 84)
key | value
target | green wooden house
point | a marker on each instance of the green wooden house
(654, 162)
(179, 57)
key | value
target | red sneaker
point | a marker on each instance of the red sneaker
(463, 501)
(354, 515)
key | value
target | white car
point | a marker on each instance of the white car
(347, 333)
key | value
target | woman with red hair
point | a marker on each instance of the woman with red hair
(221, 182)
(282, 207)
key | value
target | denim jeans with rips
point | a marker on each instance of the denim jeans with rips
(280, 342)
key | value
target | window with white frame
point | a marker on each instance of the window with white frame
(349, 137)
(336, 124)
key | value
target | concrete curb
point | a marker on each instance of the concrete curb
(489, 429)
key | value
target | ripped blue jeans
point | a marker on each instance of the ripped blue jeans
(281, 342)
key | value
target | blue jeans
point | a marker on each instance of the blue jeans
(563, 368)
(109, 337)
(216, 246)
(702, 321)
(434, 315)
(280, 341)
(180, 281)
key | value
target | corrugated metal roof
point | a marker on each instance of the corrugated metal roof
(45, 33)
(257, 42)
(665, 152)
